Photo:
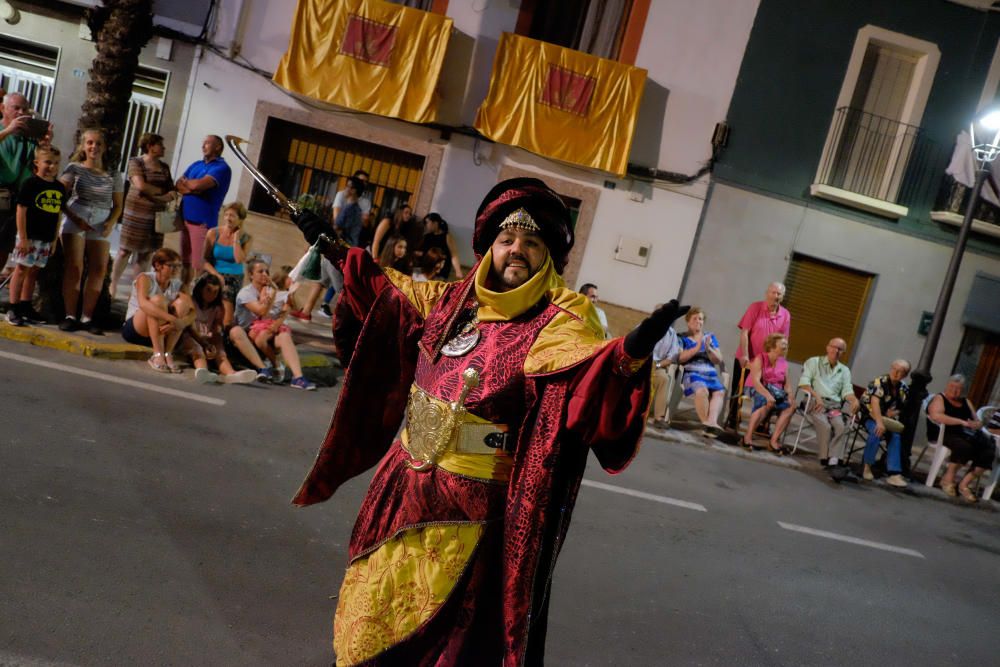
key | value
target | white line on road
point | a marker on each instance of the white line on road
(645, 496)
(851, 540)
(111, 378)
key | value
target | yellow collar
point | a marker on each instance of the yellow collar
(500, 306)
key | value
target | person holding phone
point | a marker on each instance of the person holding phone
(20, 134)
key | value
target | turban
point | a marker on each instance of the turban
(513, 199)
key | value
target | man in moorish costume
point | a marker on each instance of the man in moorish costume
(506, 381)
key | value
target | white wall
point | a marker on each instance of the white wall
(692, 49)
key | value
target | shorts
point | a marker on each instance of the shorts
(231, 284)
(95, 216)
(193, 244)
(260, 325)
(37, 256)
(132, 336)
(192, 348)
(759, 401)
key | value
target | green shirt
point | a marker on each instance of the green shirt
(832, 384)
(16, 156)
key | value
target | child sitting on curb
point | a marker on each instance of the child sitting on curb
(203, 342)
(261, 308)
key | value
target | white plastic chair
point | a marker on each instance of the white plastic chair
(983, 414)
(940, 451)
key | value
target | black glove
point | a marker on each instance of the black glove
(639, 342)
(312, 226)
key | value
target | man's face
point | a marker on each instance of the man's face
(897, 372)
(774, 294)
(211, 148)
(591, 294)
(15, 105)
(517, 256)
(835, 349)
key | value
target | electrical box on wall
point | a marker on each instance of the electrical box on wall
(632, 251)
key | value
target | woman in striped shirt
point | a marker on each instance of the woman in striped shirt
(95, 203)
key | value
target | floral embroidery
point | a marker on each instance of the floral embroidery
(391, 592)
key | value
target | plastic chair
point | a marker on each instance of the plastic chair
(940, 451)
(983, 415)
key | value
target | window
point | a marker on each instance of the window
(144, 109)
(29, 68)
(302, 160)
(605, 28)
(875, 148)
(826, 301)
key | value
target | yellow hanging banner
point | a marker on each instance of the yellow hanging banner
(562, 103)
(368, 55)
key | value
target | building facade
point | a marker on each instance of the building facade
(844, 121)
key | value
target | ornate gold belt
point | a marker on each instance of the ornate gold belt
(435, 427)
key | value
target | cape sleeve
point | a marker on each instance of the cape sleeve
(380, 325)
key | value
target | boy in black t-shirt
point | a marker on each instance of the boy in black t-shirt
(39, 203)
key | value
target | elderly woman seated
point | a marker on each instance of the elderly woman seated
(700, 354)
(880, 406)
(770, 389)
(952, 410)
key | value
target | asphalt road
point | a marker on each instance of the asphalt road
(141, 527)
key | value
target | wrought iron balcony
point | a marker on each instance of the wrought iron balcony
(877, 164)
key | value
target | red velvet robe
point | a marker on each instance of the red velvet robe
(498, 609)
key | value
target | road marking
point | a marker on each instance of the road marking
(111, 378)
(15, 660)
(851, 540)
(645, 496)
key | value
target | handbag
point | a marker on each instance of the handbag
(167, 220)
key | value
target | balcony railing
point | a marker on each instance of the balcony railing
(878, 160)
(953, 201)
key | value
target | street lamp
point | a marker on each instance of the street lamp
(984, 133)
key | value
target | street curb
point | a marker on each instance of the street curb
(915, 489)
(68, 342)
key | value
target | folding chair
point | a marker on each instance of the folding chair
(672, 387)
(940, 451)
(983, 414)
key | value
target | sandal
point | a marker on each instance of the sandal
(967, 494)
(157, 364)
(949, 490)
(171, 366)
(777, 451)
(746, 445)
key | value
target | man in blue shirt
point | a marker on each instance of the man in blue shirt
(204, 186)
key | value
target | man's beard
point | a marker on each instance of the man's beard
(514, 283)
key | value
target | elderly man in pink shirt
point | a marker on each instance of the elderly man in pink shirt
(761, 319)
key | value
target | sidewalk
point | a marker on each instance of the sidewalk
(686, 430)
(314, 343)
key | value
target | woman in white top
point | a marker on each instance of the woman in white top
(95, 203)
(158, 312)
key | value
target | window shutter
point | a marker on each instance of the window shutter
(826, 301)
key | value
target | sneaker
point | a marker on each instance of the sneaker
(301, 315)
(869, 476)
(205, 376)
(69, 324)
(325, 309)
(302, 383)
(15, 320)
(240, 377)
(32, 316)
(897, 481)
(265, 375)
(92, 328)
